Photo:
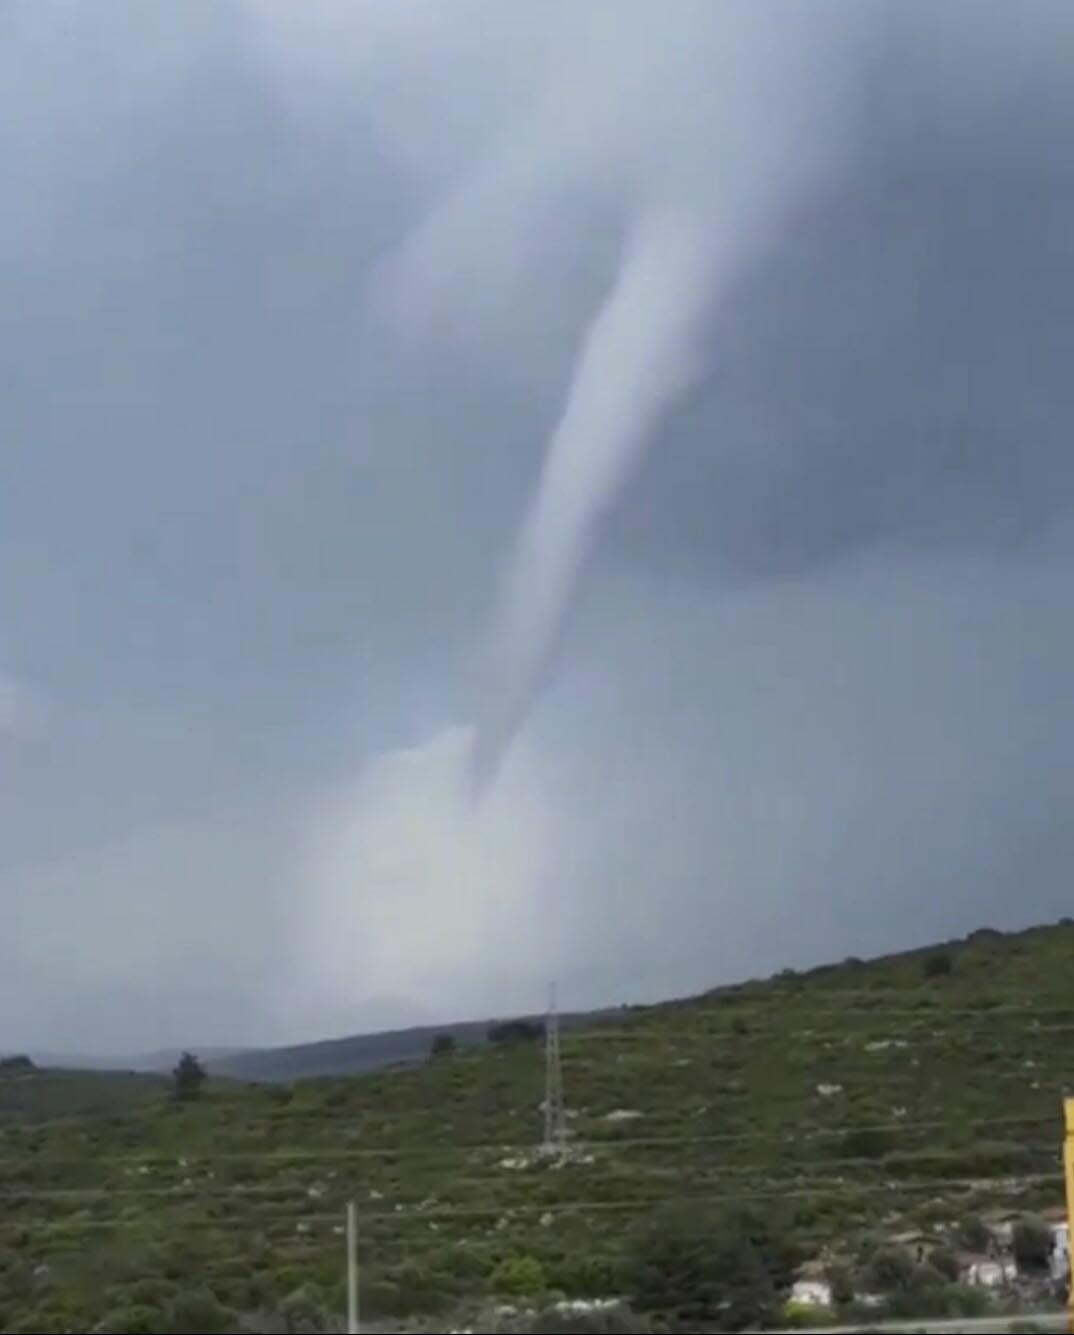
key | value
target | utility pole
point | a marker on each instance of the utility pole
(352, 1270)
(1068, 1166)
(555, 1116)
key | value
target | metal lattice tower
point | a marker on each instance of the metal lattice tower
(555, 1112)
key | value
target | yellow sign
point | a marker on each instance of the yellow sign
(1068, 1166)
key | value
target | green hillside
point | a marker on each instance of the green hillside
(854, 1102)
(42, 1095)
(358, 1054)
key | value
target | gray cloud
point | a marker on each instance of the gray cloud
(811, 695)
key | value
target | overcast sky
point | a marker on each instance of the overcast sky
(290, 296)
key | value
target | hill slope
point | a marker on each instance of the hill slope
(44, 1095)
(364, 1052)
(859, 1099)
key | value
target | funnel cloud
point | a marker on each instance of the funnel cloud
(636, 359)
(663, 404)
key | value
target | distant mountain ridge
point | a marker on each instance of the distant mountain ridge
(367, 1052)
(152, 1063)
(319, 1059)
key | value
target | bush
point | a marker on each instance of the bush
(867, 1142)
(1032, 1244)
(946, 1262)
(966, 1300)
(891, 1270)
(841, 1278)
(986, 1159)
(922, 1294)
(584, 1275)
(136, 1319)
(939, 965)
(302, 1312)
(188, 1078)
(519, 1277)
(443, 1045)
(730, 1267)
(16, 1066)
(806, 1316)
(421, 1288)
(198, 1313)
(973, 1234)
(516, 1031)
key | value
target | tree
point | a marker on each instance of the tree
(841, 1278)
(728, 1268)
(891, 1270)
(189, 1078)
(16, 1066)
(945, 1260)
(867, 1142)
(443, 1045)
(1032, 1244)
(974, 1235)
(198, 1313)
(939, 964)
(516, 1031)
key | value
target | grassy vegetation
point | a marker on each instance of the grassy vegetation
(42, 1095)
(361, 1053)
(857, 1101)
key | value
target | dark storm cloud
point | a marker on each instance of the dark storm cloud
(812, 698)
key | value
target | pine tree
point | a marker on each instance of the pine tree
(189, 1077)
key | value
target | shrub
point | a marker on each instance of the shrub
(137, 1319)
(198, 1313)
(584, 1275)
(1032, 1244)
(967, 1300)
(973, 1234)
(806, 1316)
(188, 1078)
(939, 964)
(519, 1277)
(421, 1288)
(732, 1267)
(443, 1045)
(516, 1031)
(946, 1262)
(16, 1066)
(841, 1278)
(890, 1270)
(921, 1295)
(866, 1142)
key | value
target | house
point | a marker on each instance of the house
(1057, 1222)
(812, 1293)
(1001, 1227)
(919, 1244)
(989, 1272)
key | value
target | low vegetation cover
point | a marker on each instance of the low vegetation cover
(716, 1144)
